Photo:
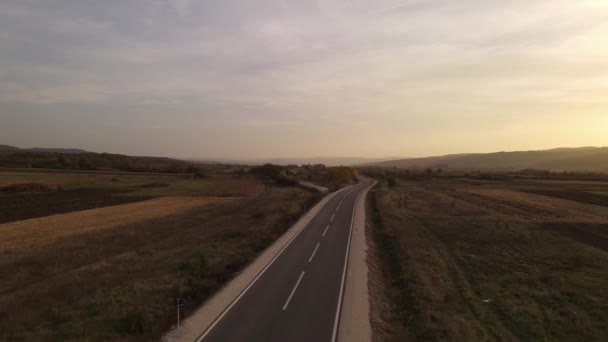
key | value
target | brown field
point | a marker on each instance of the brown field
(112, 272)
(72, 191)
(489, 260)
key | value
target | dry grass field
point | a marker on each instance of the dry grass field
(109, 268)
(475, 260)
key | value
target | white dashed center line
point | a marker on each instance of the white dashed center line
(293, 291)
(314, 252)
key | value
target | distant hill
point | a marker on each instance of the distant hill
(58, 150)
(328, 161)
(8, 148)
(43, 149)
(592, 159)
(77, 159)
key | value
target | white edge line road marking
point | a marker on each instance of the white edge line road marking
(294, 290)
(314, 252)
(325, 232)
(219, 318)
(332, 217)
(334, 336)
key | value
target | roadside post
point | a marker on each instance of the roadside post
(178, 304)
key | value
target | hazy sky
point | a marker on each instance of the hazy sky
(271, 78)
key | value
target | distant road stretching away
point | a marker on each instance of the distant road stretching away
(299, 295)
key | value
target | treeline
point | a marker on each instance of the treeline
(342, 174)
(275, 172)
(334, 177)
(550, 173)
(391, 174)
(94, 162)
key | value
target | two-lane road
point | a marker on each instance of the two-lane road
(298, 295)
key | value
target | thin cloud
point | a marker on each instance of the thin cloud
(400, 68)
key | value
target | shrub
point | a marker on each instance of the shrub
(154, 185)
(267, 170)
(131, 323)
(25, 187)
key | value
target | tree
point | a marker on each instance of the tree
(63, 162)
(342, 174)
(83, 164)
(429, 171)
(267, 170)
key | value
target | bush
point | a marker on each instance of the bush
(342, 174)
(267, 170)
(131, 323)
(274, 172)
(285, 181)
(154, 185)
(25, 187)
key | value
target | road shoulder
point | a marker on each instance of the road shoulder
(354, 317)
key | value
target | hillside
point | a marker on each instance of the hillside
(76, 159)
(43, 149)
(327, 161)
(8, 148)
(58, 150)
(592, 159)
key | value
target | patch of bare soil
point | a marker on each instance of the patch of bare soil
(573, 195)
(17, 207)
(24, 188)
(31, 234)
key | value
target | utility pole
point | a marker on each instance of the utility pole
(178, 304)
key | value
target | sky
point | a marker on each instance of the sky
(277, 78)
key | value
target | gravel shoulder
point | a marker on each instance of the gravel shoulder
(354, 318)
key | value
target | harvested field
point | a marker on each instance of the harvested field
(66, 192)
(27, 233)
(490, 261)
(81, 179)
(25, 206)
(597, 198)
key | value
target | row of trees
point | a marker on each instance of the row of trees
(274, 172)
(337, 175)
(342, 174)
(95, 161)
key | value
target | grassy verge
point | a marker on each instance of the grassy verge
(393, 277)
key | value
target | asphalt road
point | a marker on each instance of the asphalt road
(298, 296)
